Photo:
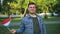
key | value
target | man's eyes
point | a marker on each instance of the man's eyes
(32, 7)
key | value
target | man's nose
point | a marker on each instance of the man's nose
(32, 8)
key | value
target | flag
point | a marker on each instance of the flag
(6, 22)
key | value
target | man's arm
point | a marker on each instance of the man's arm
(22, 27)
(43, 27)
(20, 30)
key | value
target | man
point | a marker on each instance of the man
(32, 23)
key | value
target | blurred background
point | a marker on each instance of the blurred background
(49, 10)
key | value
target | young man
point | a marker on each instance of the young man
(32, 23)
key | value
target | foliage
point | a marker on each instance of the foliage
(15, 6)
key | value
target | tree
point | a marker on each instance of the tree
(21, 5)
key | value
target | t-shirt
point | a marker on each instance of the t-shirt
(36, 27)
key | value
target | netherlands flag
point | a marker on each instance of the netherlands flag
(6, 22)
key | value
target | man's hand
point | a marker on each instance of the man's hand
(12, 31)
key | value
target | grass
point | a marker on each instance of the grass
(51, 29)
(52, 19)
(4, 30)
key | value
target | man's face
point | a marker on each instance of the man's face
(32, 8)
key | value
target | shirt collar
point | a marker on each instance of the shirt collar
(30, 16)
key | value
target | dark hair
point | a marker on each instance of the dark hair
(31, 3)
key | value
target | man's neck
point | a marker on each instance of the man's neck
(32, 15)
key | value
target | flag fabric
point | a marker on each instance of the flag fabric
(6, 22)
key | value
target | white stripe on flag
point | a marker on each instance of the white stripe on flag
(6, 24)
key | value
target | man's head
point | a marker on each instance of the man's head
(32, 8)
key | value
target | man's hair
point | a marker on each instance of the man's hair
(31, 3)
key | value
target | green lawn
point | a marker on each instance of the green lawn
(52, 19)
(51, 29)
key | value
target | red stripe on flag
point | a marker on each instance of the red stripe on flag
(6, 20)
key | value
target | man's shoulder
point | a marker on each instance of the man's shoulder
(26, 17)
(39, 16)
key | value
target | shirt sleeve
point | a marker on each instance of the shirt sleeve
(43, 27)
(21, 29)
